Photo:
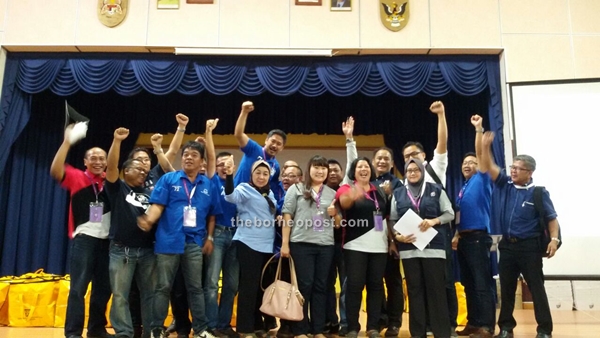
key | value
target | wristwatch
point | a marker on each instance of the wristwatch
(555, 239)
(210, 238)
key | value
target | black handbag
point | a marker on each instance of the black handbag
(545, 237)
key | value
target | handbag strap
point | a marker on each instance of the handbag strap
(293, 273)
(265, 268)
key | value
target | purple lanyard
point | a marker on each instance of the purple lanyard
(187, 192)
(93, 184)
(416, 203)
(318, 199)
(374, 199)
(462, 192)
(265, 159)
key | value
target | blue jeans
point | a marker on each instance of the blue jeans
(476, 277)
(88, 263)
(223, 257)
(191, 266)
(126, 264)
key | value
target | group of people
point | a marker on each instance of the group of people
(161, 235)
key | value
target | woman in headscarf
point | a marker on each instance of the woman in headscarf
(253, 238)
(425, 270)
(365, 244)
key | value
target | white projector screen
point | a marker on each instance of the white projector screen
(557, 124)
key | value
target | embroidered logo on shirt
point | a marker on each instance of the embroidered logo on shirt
(205, 192)
(176, 187)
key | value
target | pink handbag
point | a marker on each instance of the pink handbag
(282, 299)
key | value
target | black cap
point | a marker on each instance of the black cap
(72, 115)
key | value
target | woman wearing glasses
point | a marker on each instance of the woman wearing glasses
(425, 270)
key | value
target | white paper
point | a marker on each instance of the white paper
(78, 132)
(408, 224)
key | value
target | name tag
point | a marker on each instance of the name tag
(189, 216)
(96, 210)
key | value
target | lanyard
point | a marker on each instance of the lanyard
(461, 193)
(416, 203)
(374, 198)
(96, 191)
(265, 158)
(318, 199)
(189, 196)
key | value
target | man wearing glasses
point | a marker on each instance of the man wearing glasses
(520, 252)
(472, 241)
(292, 174)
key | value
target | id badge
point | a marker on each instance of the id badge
(378, 220)
(189, 216)
(96, 210)
(317, 220)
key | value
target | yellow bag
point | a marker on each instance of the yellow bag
(3, 303)
(62, 300)
(461, 319)
(32, 304)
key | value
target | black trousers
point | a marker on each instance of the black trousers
(394, 305)
(523, 257)
(249, 317)
(425, 281)
(364, 268)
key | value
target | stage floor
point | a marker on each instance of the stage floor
(567, 324)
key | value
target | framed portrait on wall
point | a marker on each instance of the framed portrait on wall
(308, 3)
(341, 5)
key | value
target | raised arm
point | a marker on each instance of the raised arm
(211, 159)
(487, 164)
(57, 168)
(351, 153)
(163, 161)
(477, 122)
(442, 144)
(182, 122)
(240, 125)
(112, 160)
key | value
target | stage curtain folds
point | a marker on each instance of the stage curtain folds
(23, 228)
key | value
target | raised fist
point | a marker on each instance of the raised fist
(182, 120)
(121, 133)
(247, 106)
(476, 121)
(211, 124)
(437, 107)
(156, 140)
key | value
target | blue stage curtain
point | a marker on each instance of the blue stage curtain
(68, 75)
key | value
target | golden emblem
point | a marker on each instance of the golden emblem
(394, 14)
(112, 12)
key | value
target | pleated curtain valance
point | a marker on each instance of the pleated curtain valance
(340, 77)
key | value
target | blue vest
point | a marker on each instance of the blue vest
(428, 209)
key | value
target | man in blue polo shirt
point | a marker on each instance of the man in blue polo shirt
(473, 242)
(253, 152)
(185, 204)
(514, 213)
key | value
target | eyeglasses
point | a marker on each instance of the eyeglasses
(291, 177)
(518, 169)
(469, 163)
(138, 169)
(412, 171)
(411, 155)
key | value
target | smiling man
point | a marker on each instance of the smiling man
(473, 242)
(89, 222)
(253, 151)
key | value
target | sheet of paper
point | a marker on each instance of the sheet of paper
(409, 224)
